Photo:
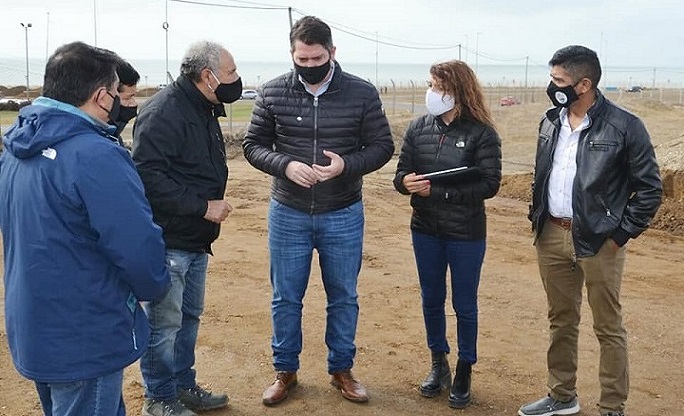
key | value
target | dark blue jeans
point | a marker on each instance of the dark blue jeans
(167, 364)
(338, 238)
(464, 258)
(96, 397)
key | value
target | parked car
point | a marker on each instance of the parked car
(13, 104)
(509, 100)
(634, 88)
(249, 95)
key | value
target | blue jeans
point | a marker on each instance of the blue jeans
(338, 238)
(464, 259)
(167, 363)
(96, 397)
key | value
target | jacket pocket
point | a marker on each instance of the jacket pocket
(602, 145)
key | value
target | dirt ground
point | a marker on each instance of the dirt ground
(233, 351)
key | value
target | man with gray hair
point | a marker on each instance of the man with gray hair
(179, 151)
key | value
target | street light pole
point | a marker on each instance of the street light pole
(26, 28)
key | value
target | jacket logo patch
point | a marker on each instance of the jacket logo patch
(49, 153)
(299, 118)
(460, 143)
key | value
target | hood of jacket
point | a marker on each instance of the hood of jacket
(41, 125)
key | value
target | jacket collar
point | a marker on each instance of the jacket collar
(553, 114)
(198, 99)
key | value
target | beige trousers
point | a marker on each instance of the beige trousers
(563, 279)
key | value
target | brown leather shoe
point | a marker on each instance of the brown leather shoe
(350, 388)
(280, 389)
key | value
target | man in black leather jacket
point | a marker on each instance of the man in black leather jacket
(596, 185)
(317, 131)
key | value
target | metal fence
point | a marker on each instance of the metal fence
(411, 99)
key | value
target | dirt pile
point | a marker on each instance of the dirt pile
(669, 218)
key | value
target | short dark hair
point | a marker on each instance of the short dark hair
(312, 31)
(127, 74)
(76, 70)
(580, 62)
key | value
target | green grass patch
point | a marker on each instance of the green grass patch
(241, 109)
(8, 117)
(241, 112)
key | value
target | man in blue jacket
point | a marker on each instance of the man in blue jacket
(80, 246)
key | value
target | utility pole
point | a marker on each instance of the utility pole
(377, 52)
(47, 38)
(527, 65)
(289, 13)
(165, 26)
(654, 77)
(477, 49)
(26, 28)
(467, 49)
(95, 19)
(459, 51)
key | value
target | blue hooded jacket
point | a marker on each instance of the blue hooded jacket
(80, 247)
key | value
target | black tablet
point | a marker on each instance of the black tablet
(446, 172)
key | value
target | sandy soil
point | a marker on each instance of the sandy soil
(233, 352)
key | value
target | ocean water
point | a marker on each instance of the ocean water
(152, 72)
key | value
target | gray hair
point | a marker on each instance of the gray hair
(201, 55)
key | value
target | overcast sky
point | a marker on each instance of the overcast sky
(625, 33)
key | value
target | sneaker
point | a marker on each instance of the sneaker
(198, 399)
(548, 406)
(153, 407)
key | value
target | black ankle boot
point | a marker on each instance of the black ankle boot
(439, 377)
(460, 389)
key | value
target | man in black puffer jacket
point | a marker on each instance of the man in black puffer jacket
(317, 131)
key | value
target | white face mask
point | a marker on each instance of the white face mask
(438, 104)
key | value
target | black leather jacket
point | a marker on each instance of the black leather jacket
(455, 208)
(289, 124)
(617, 189)
(179, 152)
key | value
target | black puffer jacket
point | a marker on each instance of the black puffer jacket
(617, 188)
(179, 152)
(454, 209)
(289, 124)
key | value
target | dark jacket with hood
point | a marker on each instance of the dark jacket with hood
(455, 208)
(289, 124)
(180, 154)
(617, 189)
(80, 247)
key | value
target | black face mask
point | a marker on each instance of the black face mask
(313, 74)
(116, 107)
(562, 96)
(228, 93)
(126, 113)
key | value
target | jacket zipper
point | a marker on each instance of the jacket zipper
(315, 149)
(442, 137)
(135, 338)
